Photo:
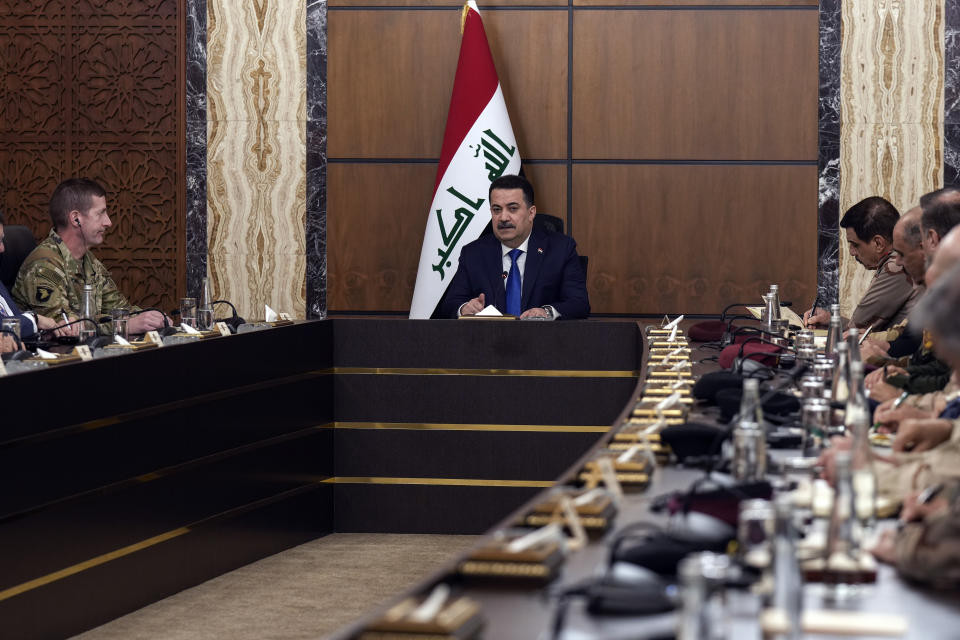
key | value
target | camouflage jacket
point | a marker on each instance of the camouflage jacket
(51, 281)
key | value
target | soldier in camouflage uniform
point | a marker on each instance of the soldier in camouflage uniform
(52, 277)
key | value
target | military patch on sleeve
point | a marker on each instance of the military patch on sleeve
(43, 292)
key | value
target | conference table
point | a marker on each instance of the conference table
(525, 610)
(129, 478)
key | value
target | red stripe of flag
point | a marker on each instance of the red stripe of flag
(474, 85)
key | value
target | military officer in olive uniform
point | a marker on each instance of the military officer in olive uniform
(52, 277)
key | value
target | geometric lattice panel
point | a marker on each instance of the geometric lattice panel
(93, 88)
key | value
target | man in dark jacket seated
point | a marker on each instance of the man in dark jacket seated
(523, 270)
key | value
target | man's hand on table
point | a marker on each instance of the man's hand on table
(7, 343)
(890, 418)
(146, 321)
(535, 312)
(818, 319)
(473, 307)
(874, 349)
(922, 434)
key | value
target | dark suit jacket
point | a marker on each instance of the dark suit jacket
(26, 327)
(552, 275)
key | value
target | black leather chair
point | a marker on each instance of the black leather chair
(18, 242)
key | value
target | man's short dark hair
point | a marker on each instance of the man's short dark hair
(941, 210)
(75, 194)
(1, 217)
(514, 182)
(913, 234)
(873, 216)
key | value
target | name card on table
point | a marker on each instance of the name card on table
(83, 351)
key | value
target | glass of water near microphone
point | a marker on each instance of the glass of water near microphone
(198, 316)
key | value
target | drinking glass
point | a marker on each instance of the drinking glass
(121, 318)
(188, 312)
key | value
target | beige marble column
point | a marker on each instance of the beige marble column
(256, 153)
(891, 92)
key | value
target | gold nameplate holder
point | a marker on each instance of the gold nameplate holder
(595, 509)
(668, 345)
(436, 617)
(629, 471)
(664, 390)
(132, 346)
(154, 337)
(532, 557)
(62, 358)
(83, 352)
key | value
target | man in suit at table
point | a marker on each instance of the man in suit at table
(522, 269)
(29, 321)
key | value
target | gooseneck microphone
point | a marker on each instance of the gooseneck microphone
(96, 327)
(235, 320)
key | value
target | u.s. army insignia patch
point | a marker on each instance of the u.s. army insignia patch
(44, 293)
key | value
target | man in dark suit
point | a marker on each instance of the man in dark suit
(29, 322)
(521, 269)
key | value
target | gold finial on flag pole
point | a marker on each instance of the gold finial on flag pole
(463, 16)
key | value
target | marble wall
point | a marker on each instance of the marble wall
(891, 89)
(256, 154)
(316, 232)
(889, 123)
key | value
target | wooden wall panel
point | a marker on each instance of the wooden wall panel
(390, 76)
(549, 188)
(94, 89)
(376, 216)
(533, 75)
(694, 238)
(734, 85)
(378, 108)
(700, 3)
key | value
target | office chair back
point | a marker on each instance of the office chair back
(18, 242)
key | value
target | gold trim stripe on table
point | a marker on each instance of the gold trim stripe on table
(442, 426)
(441, 482)
(538, 373)
(92, 562)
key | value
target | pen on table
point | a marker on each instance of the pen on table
(900, 399)
(865, 334)
(63, 315)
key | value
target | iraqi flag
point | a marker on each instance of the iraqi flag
(478, 147)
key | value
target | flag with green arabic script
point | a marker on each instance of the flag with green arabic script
(478, 147)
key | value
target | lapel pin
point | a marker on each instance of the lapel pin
(539, 249)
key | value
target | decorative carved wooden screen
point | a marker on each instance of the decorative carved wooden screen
(93, 88)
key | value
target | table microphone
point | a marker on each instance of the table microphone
(235, 320)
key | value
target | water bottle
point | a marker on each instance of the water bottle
(87, 310)
(205, 309)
